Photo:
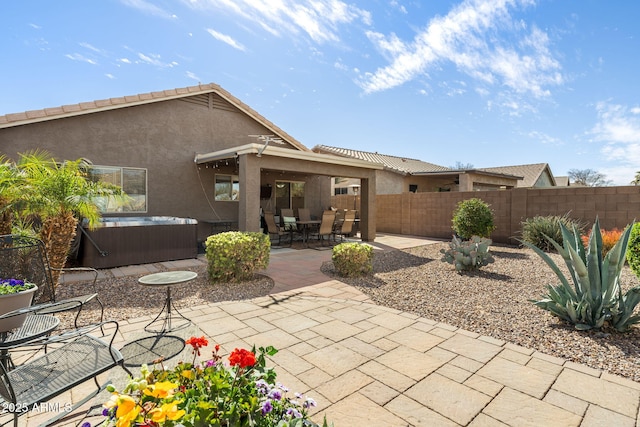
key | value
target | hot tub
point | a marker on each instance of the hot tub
(123, 241)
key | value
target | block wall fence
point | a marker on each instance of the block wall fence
(429, 214)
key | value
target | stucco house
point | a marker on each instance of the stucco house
(195, 152)
(402, 175)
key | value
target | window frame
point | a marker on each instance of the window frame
(120, 173)
(234, 181)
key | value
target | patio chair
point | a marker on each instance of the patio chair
(326, 226)
(275, 229)
(25, 258)
(71, 358)
(345, 227)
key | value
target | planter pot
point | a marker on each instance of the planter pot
(12, 302)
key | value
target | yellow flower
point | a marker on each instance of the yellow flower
(167, 410)
(188, 374)
(161, 390)
(127, 410)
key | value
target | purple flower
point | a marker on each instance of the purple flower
(294, 413)
(266, 407)
(275, 394)
(282, 387)
(86, 424)
(262, 386)
(210, 363)
(309, 403)
(299, 395)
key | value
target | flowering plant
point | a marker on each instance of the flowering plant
(213, 393)
(13, 286)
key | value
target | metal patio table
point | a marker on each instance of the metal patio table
(167, 278)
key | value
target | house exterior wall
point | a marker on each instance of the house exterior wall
(162, 137)
(429, 214)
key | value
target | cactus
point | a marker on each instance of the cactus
(469, 254)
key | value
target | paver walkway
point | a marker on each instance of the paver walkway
(368, 365)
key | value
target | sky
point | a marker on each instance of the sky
(481, 82)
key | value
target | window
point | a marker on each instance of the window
(227, 188)
(133, 182)
(289, 195)
(340, 190)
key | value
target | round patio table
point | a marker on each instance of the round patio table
(167, 278)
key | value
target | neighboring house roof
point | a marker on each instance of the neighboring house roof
(530, 173)
(402, 165)
(562, 181)
(34, 116)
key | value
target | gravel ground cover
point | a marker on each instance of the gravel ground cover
(124, 298)
(494, 301)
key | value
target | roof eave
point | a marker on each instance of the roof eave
(260, 149)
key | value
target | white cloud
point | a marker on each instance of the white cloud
(618, 128)
(154, 59)
(544, 138)
(90, 47)
(476, 37)
(319, 19)
(149, 8)
(193, 76)
(110, 76)
(226, 39)
(125, 60)
(80, 58)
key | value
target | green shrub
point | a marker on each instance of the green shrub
(235, 256)
(633, 251)
(352, 259)
(534, 230)
(596, 296)
(472, 217)
(469, 254)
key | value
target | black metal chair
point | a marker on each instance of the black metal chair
(71, 358)
(25, 258)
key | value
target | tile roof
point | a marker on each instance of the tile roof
(531, 172)
(397, 164)
(34, 116)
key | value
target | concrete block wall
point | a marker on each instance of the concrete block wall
(429, 214)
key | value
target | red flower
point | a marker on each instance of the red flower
(197, 343)
(242, 358)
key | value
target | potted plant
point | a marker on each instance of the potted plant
(239, 391)
(14, 294)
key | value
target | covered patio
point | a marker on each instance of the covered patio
(260, 166)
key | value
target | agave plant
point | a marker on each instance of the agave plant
(592, 295)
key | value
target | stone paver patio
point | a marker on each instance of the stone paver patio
(368, 365)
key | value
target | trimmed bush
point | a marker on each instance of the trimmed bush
(535, 229)
(473, 217)
(235, 256)
(352, 259)
(633, 250)
(468, 255)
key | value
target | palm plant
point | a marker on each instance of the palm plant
(9, 193)
(58, 194)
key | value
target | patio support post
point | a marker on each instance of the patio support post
(368, 208)
(249, 205)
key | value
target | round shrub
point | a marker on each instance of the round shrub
(473, 217)
(352, 259)
(534, 229)
(235, 256)
(633, 249)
